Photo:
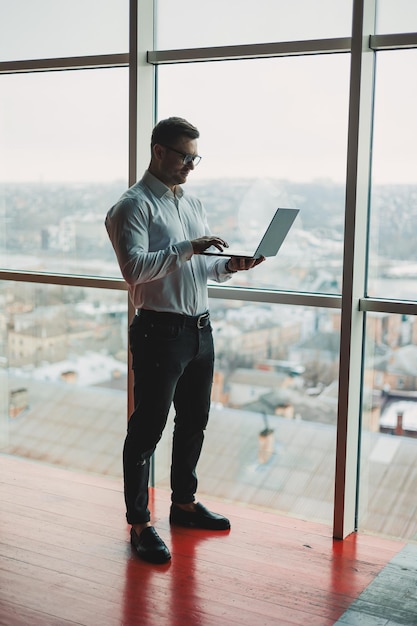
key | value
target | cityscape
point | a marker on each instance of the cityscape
(276, 372)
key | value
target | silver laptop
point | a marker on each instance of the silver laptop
(271, 241)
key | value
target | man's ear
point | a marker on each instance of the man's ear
(158, 151)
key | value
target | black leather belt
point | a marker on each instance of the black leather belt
(197, 321)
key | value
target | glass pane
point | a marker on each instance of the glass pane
(388, 475)
(273, 133)
(55, 28)
(244, 21)
(63, 163)
(396, 16)
(271, 436)
(393, 265)
(63, 375)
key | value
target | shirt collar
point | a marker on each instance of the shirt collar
(159, 188)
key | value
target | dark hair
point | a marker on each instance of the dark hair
(169, 130)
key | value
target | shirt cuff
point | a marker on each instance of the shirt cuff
(226, 268)
(185, 250)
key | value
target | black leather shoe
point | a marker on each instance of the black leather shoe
(149, 545)
(200, 518)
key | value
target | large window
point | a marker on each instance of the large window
(63, 160)
(274, 144)
(389, 405)
(63, 375)
(271, 434)
(396, 16)
(294, 110)
(51, 28)
(389, 426)
(218, 23)
(393, 263)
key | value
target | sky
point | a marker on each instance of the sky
(280, 118)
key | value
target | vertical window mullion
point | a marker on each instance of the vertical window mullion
(354, 267)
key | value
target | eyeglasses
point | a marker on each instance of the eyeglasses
(186, 158)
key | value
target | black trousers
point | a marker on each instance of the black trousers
(173, 360)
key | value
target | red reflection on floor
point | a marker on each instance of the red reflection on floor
(66, 558)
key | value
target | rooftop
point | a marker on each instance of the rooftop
(290, 472)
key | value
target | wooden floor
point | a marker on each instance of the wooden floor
(65, 558)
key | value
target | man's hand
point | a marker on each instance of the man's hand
(201, 245)
(238, 263)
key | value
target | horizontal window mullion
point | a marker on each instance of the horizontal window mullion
(379, 305)
(250, 51)
(276, 297)
(65, 63)
(399, 41)
(226, 293)
(64, 279)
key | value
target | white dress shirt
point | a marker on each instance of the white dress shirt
(151, 229)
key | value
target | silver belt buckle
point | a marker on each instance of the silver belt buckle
(201, 317)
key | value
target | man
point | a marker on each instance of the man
(159, 235)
